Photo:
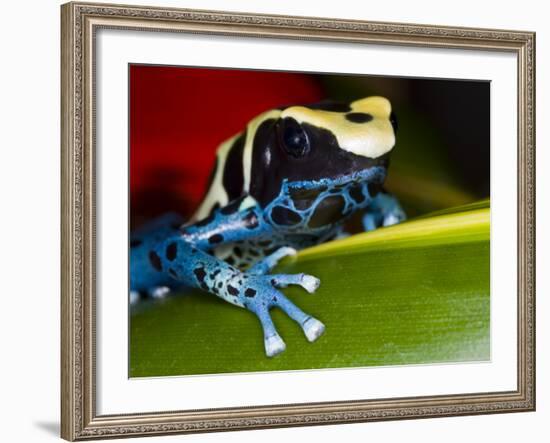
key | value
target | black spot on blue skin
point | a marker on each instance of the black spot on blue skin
(172, 251)
(214, 274)
(251, 220)
(356, 193)
(358, 117)
(328, 211)
(285, 216)
(250, 292)
(214, 239)
(220, 284)
(194, 251)
(135, 243)
(273, 282)
(238, 251)
(374, 189)
(155, 260)
(173, 273)
(232, 290)
(200, 273)
(254, 253)
(205, 221)
(204, 286)
(264, 243)
(230, 260)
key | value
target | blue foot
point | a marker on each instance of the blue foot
(274, 345)
(134, 297)
(159, 292)
(268, 296)
(313, 329)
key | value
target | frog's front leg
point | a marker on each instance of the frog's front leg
(383, 210)
(235, 222)
(255, 289)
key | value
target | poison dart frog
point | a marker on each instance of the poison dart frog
(289, 180)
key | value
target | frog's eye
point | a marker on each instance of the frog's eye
(393, 121)
(293, 137)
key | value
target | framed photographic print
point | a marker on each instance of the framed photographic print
(282, 221)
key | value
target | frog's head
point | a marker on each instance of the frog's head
(315, 145)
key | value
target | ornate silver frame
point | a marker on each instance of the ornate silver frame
(79, 420)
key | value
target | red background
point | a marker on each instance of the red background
(178, 117)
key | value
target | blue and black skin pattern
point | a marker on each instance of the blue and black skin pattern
(289, 180)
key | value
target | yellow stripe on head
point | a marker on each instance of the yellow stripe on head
(216, 193)
(366, 130)
(249, 143)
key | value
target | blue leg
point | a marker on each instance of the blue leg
(371, 221)
(312, 327)
(173, 256)
(273, 343)
(268, 263)
(227, 225)
(174, 262)
(384, 210)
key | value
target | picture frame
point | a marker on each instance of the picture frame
(81, 22)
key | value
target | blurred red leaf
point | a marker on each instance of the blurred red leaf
(178, 117)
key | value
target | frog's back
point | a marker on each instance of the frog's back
(231, 175)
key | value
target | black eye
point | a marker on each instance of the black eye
(393, 121)
(293, 138)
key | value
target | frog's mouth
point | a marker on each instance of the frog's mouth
(318, 204)
(325, 192)
(374, 174)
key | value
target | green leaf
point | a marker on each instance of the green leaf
(413, 293)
